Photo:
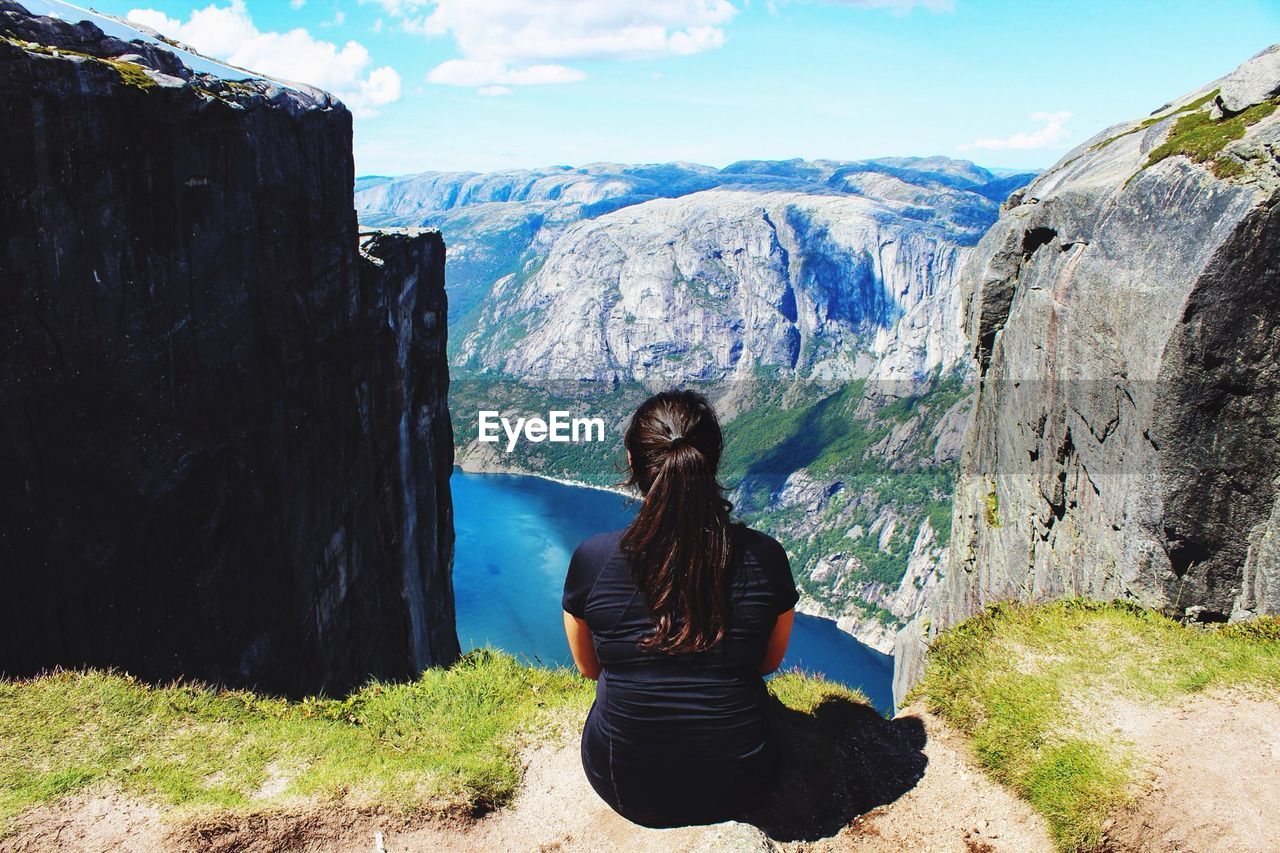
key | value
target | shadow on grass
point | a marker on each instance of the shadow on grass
(838, 762)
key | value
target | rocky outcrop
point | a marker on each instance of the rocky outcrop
(226, 447)
(1125, 321)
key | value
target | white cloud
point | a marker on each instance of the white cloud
(899, 5)
(470, 72)
(509, 39)
(398, 7)
(381, 86)
(157, 21)
(228, 33)
(297, 4)
(1053, 132)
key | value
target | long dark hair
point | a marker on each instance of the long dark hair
(680, 543)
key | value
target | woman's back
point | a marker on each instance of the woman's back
(679, 738)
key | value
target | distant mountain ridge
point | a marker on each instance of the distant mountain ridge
(433, 192)
(499, 223)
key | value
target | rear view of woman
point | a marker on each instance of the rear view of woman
(678, 617)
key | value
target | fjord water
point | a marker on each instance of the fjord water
(515, 535)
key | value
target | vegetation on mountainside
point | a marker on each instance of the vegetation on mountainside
(779, 426)
(443, 743)
(1201, 137)
(992, 510)
(131, 74)
(1026, 683)
(473, 273)
(1154, 120)
(831, 438)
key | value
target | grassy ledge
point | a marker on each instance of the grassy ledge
(130, 73)
(443, 742)
(446, 744)
(1154, 120)
(1201, 138)
(805, 692)
(1030, 684)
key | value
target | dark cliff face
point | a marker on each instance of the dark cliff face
(204, 465)
(1125, 318)
(406, 272)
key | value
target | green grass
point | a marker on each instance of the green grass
(131, 74)
(1201, 137)
(803, 692)
(1027, 684)
(1143, 125)
(1228, 167)
(445, 743)
(993, 508)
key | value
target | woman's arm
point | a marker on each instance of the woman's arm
(778, 639)
(584, 651)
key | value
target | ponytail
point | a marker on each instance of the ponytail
(679, 543)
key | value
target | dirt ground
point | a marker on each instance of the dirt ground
(955, 806)
(93, 821)
(1211, 775)
(952, 806)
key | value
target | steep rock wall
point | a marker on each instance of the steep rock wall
(215, 456)
(1125, 315)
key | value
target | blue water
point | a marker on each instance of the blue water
(515, 535)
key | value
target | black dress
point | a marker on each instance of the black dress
(676, 740)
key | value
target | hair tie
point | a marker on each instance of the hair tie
(681, 441)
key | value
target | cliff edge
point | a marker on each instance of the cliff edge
(1125, 319)
(226, 447)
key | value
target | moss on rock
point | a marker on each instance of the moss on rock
(1200, 137)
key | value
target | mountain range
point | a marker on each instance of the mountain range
(816, 302)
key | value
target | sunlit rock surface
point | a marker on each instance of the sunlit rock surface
(1125, 317)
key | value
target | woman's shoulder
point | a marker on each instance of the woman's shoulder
(586, 567)
(600, 547)
(766, 563)
(760, 545)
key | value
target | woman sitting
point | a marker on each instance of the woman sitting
(679, 617)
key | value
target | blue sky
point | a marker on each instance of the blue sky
(489, 84)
